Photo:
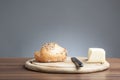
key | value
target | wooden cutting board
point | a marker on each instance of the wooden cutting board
(67, 66)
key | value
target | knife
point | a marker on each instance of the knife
(77, 62)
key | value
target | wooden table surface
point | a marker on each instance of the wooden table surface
(13, 69)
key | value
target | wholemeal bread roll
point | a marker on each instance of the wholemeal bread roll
(51, 52)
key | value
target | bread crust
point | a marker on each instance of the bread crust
(51, 52)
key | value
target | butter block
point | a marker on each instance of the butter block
(96, 55)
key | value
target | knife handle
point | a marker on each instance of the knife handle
(77, 62)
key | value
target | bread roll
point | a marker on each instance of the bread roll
(51, 52)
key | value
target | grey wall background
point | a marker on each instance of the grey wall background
(74, 24)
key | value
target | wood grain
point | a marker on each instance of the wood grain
(13, 69)
(67, 66)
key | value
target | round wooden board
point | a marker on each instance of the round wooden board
(66, 66)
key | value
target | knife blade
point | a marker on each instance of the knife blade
(77, 62)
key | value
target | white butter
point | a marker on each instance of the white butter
(96, 55)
